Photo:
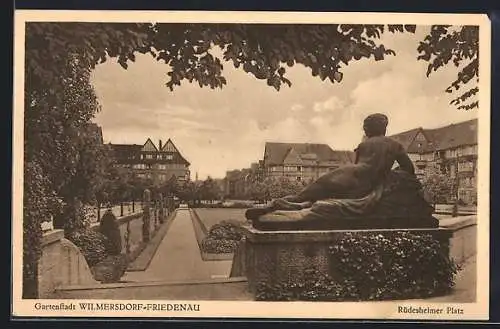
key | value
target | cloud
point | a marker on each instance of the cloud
(332, 104)
(297, 107)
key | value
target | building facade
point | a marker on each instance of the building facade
(148, 161)
(450, 150)
(302, 161)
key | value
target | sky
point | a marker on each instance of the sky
(225, 129)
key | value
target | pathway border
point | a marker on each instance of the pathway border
(149, 284)
(201, 231)
(146, 253)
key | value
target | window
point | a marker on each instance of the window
(290, 168)
(162, 167)
(465, 166)
(420, 138)
(451, 153)
(169, 156)
(139, 166)
(149, 156)
(452, 171)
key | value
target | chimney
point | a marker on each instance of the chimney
(160, 145)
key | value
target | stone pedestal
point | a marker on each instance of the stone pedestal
(281, 256)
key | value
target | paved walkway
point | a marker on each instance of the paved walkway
(178, 257)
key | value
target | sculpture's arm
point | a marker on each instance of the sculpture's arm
(405, 162)
(356, 155)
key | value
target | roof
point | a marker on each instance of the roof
(126, 148)
(454, 135)
(131, 152)
(406, 138)
(442, 138)
(275, 153)
(125, 152)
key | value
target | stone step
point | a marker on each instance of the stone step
(212, 289)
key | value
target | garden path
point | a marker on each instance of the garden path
(178, 257)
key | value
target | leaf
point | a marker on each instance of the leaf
(338, 76)
(410, 28)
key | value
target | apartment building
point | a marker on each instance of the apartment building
(302, 161)
(148, 161)
(451, 150)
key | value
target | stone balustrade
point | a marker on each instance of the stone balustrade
(61, 263)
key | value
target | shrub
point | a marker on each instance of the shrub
(316, 287)
(374, 267)
(218, 246)
(92, 245)
(227, 230)
(222, 237)
(110, 229)
(89, 214)
(111, 269)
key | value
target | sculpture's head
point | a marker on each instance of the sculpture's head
(375, 125)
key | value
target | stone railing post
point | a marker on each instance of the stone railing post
(146, 215)
(155, 214)
(161, 210)
(127, 239)
(170, 204)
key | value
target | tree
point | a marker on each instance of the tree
(209, 190)
(170, 186)
(282, 186)
(259, 191)
(60, 99)
(261, 50)
(188, 192)
(444, 44)
(438, 187)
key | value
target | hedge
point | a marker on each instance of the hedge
(110, 229)
(222, 238)
(92, 244)
(399, 265)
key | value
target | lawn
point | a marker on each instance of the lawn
(212, 216)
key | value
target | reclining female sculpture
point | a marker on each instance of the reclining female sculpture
(366, 194)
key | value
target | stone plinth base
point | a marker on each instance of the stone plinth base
(281, 256)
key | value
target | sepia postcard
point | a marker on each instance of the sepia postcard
(263, 165)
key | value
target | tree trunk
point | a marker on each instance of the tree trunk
(99, 211)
